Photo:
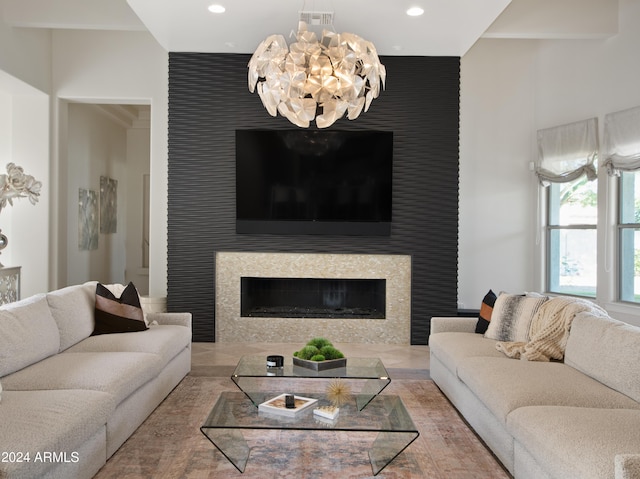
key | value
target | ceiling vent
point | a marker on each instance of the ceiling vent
(317, 18)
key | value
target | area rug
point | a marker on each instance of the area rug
(169, 443)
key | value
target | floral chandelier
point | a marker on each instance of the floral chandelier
(316, 80)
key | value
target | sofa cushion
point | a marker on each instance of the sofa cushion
(166, 341)
(486, 310)
(118, 314)
(512, 315)
(574, 442)
(72, 308)
(28, 333)
(607, 350)
(49, 421)
(118, 374)
(506, 385)
(451, 348)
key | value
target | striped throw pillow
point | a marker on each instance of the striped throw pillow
(511, 317)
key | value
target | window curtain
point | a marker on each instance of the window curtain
(622, 141)
(567, 152)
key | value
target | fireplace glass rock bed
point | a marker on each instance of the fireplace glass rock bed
(313, 298)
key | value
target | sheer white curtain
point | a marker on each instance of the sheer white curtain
(622, 141)
(567, 152)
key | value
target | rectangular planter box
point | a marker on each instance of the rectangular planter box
(320, 365)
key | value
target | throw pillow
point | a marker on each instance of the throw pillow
(511, 317)
(486, 309)
(118, 314)
(117, 289)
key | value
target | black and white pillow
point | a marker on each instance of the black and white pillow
(118, 314)
(512, 315)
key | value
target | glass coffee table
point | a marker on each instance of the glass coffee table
(367, 375)
(385, 415)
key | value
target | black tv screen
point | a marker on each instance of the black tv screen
(314, 182)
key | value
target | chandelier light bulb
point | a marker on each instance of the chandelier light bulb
(415, 11)
(316, 80)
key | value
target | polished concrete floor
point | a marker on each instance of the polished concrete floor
(226, 355)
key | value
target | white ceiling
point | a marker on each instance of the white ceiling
(447, 28)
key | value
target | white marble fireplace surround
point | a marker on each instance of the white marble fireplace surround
(231, 327)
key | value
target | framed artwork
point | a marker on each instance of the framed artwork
(108, 205)
(87, 220)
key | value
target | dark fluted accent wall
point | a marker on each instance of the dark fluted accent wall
(209, 100)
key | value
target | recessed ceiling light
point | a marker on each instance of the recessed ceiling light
(415, 11)
(215, 8)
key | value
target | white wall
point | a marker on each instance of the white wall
(6, 142)
(137, 166)
(26, 54)
(510, 89)
(96, 147)
(119, 67)
(25, 78)
(29, 240)
(497, 199)
(542, 18)
(24, 140)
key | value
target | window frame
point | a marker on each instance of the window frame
(551, 227)
(621, 228)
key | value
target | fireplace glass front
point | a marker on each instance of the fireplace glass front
(312, 298)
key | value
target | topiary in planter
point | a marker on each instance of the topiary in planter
(329, 352)
(319, 349)
(307, 352)
(319, 343)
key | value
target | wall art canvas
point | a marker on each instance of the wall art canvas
(87, 220)
(108, 205)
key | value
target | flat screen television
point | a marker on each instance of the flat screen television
(314, 182)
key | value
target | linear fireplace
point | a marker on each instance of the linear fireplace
(312, 298)
(337, 281)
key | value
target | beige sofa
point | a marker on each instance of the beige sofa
(70, 400)
(578, 418)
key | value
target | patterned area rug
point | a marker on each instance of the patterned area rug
(170, 445)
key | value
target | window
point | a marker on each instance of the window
(572, 237)
(629, 237)
(567, 167)
(622, 159)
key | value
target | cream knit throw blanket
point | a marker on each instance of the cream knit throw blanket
(549, 330)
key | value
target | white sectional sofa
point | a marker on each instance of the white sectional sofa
(578, 418)
(70, 400)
